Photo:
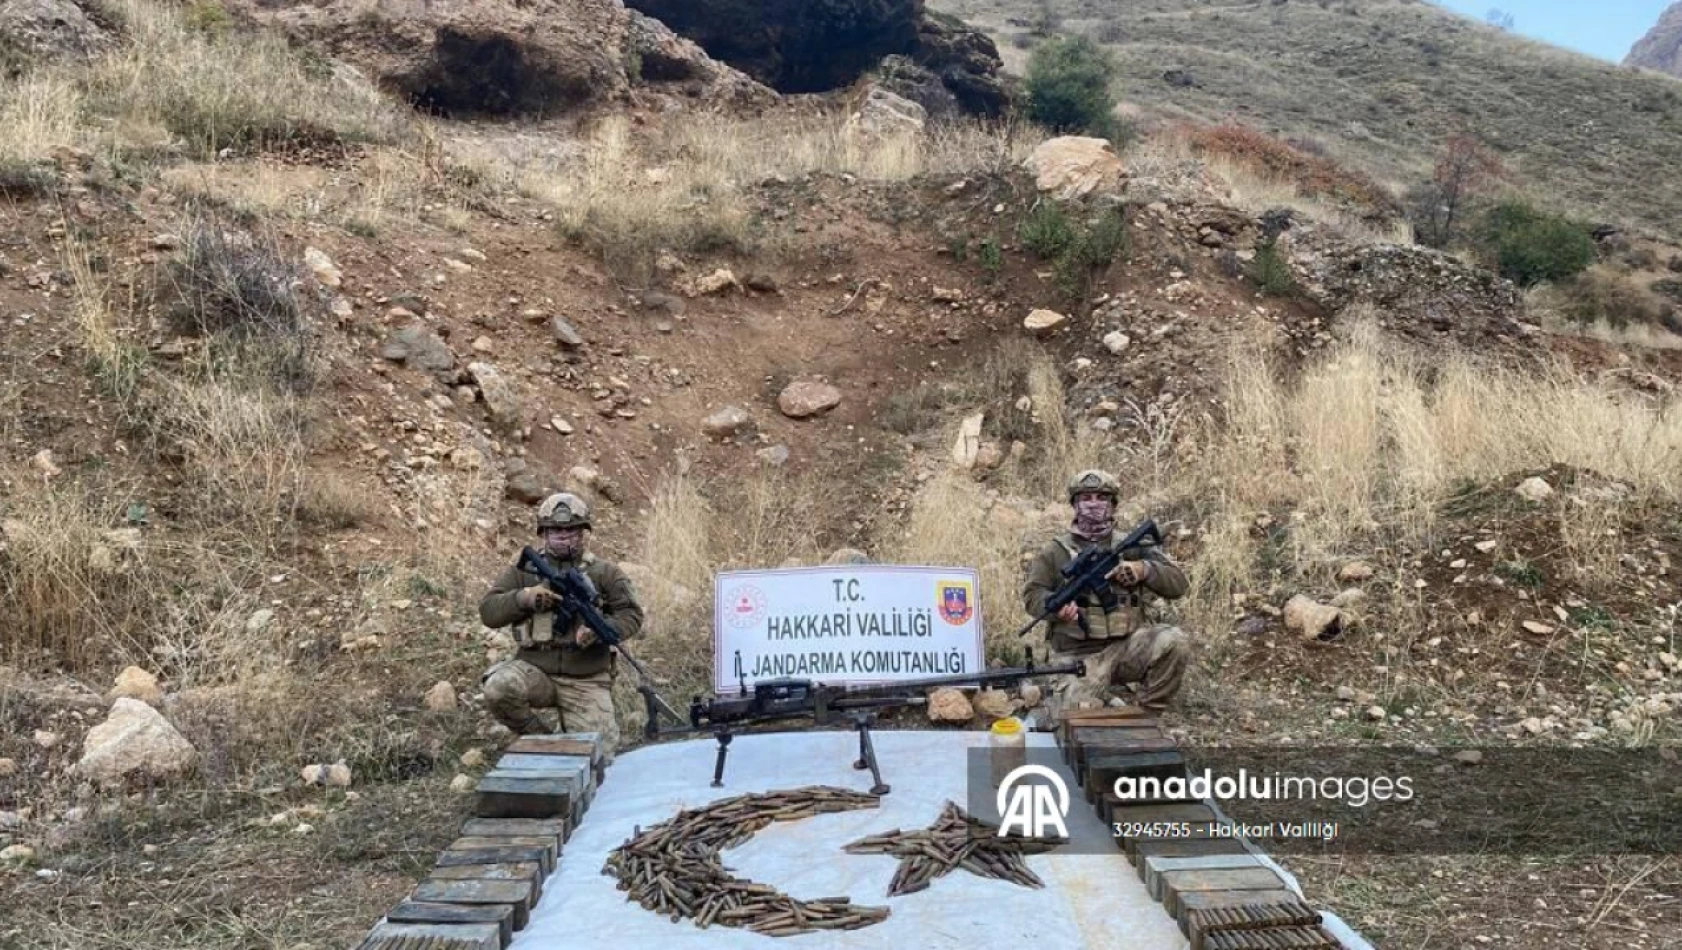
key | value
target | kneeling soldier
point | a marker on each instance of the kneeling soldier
(1118, 648)
(560, 663)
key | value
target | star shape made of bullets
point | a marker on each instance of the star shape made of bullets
(955, 840)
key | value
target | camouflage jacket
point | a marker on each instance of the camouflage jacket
(1166, 580)
(561, 655)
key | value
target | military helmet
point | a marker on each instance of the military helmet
(563, 510)
(1096, 481)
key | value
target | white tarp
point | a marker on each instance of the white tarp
(854, 624)
(1091, 901)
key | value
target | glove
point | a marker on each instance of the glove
(1131, 573)
(537, 598)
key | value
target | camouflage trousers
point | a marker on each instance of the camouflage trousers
(515, 690)
(1154, 657)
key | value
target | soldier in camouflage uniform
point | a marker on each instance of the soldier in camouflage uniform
(567, 669)
(1119, 648)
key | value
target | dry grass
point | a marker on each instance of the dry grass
(688, 186)
(213, 90)
(113, 358)
(39, 114)
(1355, 454)
(1171, 156)
(171, 87)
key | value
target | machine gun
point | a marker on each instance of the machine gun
(1090, 574)
(782, 699)
(578, 603)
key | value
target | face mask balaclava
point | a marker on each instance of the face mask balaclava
(1094, 518)
(565, 544)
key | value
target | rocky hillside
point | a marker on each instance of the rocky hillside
(1661, 48)
(1381, 85)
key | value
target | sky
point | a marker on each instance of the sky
(1603, 28)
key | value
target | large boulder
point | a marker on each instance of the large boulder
(885, 113)
(968, 64)
(795, 46)
(135, 740)
(1075, 166)
(494, 57)
(49, 30)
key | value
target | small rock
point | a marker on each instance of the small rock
(1376, 713)
(42, 462)
(10, 821)
(483, 345)
(259, 620)
(473, 758)
(134, 738)
(441, 697)
(990, 456)
(774, 455)
(565, 335)
(419, 347)
(1534, 489)
(561, 425)
(1116, 342)
(1536, 626)
(1042, 322)
(8, 768)
(17, 855)
(1348, 598)
(968, 444)
(655, 300)
(1534, 726)
(1484, 547)
(1313, 621)
(499, 395)
(762, 283)
(708, 284)
(1031, 694)
(993, 704)
(322, 267)
(1468, 757)
(338, 774)
(726, 422)
(45, 739)
(136, 683)
(463, 784)
(950, 705)
(315, 774)
(1252, 626)
(806, 397)
(1345, 694)
(1355, 572)
(946, 295)
(526, 487)
(166, 242)
(460, 267)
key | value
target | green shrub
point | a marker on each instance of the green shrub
(1069, 86)
(1530, 246)
(1046, 231)
(1270, 272)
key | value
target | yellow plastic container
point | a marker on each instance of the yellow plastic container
(1009, 743)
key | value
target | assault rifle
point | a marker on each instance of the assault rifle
(1090, 574)
(578, 603)
(780, 699)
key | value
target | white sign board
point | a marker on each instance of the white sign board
(851, 624)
